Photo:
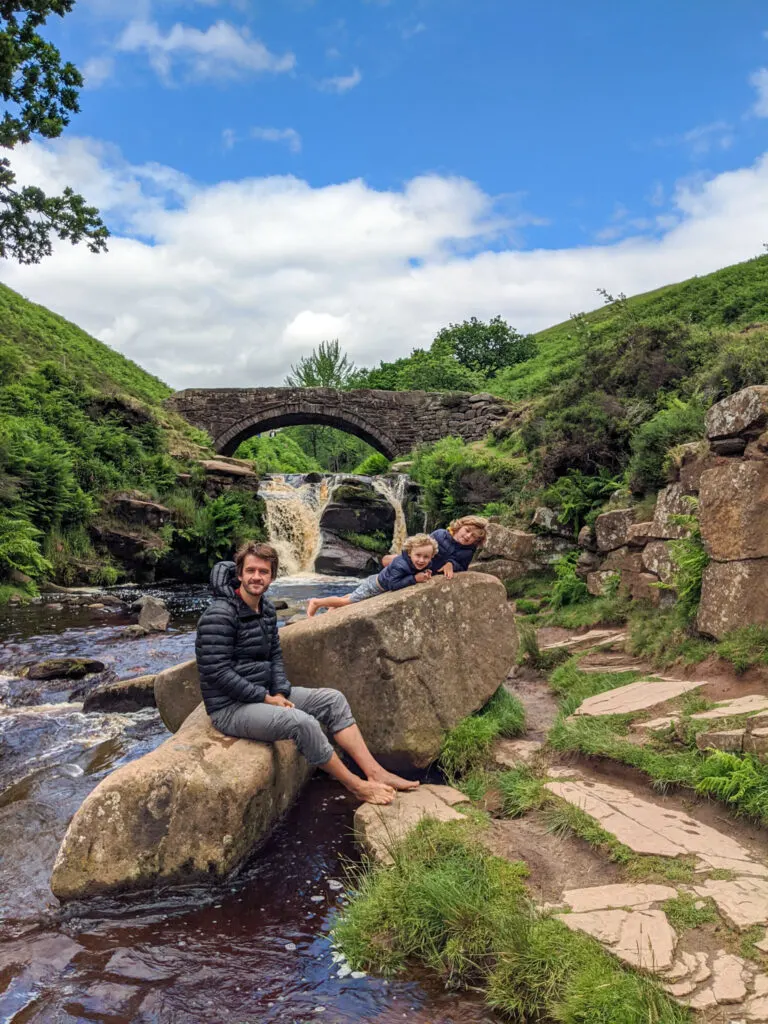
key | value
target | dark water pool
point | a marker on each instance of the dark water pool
(257, 949)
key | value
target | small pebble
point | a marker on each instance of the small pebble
(291, 947)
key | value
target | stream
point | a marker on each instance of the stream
(253, 950)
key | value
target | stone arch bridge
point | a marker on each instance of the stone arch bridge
(392, 421)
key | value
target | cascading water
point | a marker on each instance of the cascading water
(294, 507)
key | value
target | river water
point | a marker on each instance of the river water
(254, 950)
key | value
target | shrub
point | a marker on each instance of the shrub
(678, 423)
(568, 587)
(374, 465)
(690, 559)
(576, 496)
(20, 548)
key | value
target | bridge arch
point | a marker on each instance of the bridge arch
(263, 420)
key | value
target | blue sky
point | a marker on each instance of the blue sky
(306, 166)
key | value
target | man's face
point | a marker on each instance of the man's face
(256, 575)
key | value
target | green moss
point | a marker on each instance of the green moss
(378, 542)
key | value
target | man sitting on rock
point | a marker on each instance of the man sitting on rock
(245, 689)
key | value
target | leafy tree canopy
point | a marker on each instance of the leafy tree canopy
(485, 348)
(326, 367)
(40, 93)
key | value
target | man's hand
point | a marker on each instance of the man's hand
(278, 700)
(422, 577)
(447, 571)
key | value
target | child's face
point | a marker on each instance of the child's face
(466, 535)
(422, 556)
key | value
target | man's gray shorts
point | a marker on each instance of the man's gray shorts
(368, 588)
(302, 724)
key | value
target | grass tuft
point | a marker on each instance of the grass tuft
(521, 790)
(449, 906)
(686, 911)
(467, 747)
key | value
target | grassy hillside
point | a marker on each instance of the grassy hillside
(40, 336)
(79, 425)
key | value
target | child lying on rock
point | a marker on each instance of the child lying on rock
(456, 546)
(403, 570)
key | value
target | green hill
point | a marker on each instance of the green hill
(80, 427)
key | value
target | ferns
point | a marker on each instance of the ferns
(20, 549)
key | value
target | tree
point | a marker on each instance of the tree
(485, 348)
(40, 94)
(327, 367)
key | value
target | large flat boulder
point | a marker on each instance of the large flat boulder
(733, 594)
(194, 808)
(337, 557)
(745, 413)
(412, 663)
(734, 511)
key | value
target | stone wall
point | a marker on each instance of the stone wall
(728, 473)
(392, 421)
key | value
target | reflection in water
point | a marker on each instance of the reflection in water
(251, 951)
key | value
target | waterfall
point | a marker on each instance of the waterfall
(293, 510)
(393, 489)
(294, 507)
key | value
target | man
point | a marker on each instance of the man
(245, 689)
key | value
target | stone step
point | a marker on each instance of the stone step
(586, 641)
(639, 696)
(379, 828)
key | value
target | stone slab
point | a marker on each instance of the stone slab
(741, 413)
(379, 828)
(654, 724)
(646, 827)
(743, 901)
(601, 897)
(510, 753)
(750, 704)
(586, 641)
(729, 740)
(639, 696)
(728, 983)
(642, 938)
(733, 510)
(733, 594)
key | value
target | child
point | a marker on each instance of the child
(456, 545)
(412, 566)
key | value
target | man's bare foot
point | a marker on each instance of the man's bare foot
(312, 607)
(404, 785)
(373, 792)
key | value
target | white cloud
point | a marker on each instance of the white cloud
(341, 83)
(97, 71)
(220, 51)
(760, 81)
(288, 135)
(413, 30)
(227, 284)
(703, 138)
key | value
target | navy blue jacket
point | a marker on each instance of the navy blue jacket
(238, 651)
(401, 572)
(449, 550)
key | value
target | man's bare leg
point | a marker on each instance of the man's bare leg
(351, 742)
(372, 791)
(325, 602)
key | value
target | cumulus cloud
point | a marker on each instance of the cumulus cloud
(97, 71)
(288, 135)
(759, 79)
(227, 284)
(220, 51)
(341, 83)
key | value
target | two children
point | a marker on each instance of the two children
(444, 551)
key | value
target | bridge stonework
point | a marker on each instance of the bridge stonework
(394, 422)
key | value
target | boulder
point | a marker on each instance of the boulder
(501, 542)
(657, 559)
(639, 534)
(131, 509)
(134, 632)
(599, 582)
(587, 539)
(338, 557)
(757, 449)
(221, 475)
(357, 508)
(547, 521)
(589, 561)
(154, 616)
(177, 693)
(733, 513)
(745, 413)
(64, 668)
(642, 586)
(672, 501)
(124, 695)
(624, 559)
(412, 663)
(733, 594)
(503, 569)
(612, 528)
(192, 810)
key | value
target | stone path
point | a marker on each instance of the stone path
(639, 696)
(595, 638)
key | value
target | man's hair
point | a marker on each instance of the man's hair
(476, 523)
(258, 550)
(420, 540)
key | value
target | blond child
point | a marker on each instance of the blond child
(403, 570)
(456, 546)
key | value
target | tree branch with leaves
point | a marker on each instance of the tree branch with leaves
(40, 93)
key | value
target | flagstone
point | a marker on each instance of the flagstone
(639, 696)
(742, 901)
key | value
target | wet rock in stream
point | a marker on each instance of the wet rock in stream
(64, 668)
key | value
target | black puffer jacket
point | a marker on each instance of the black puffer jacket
(238, 652)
